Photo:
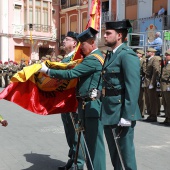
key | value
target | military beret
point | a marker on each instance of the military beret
(6, 62)
(33, 60)
(53, 57)
(116, 25)
(151, 50)
(48, 56)
(44, 58)
(167, 52)
(11, 61)
(60, 57)
(140, 51)
(15, 63)
(0, 62)
(87, 34)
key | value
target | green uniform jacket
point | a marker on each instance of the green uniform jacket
(88, 71)
(70, 131)
(121, 71)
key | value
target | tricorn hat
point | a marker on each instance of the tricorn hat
(87, 34)
(72, 34)
(116, 25)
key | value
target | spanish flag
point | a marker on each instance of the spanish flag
(94, 22)
(41, 94)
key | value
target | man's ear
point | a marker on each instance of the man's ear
(75, 43)
(119, 36)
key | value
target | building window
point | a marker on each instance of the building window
(63, 29)
(131, 9)
(84, 19)
(38, 14)
(30, 11)
(73, 2)
(45, 16)
(17, 14)
(105, 6)
(73, 23)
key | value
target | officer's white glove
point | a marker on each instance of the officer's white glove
(44, 68)
(95, 94)
(150, 86)
(124, 122)
(158, 84)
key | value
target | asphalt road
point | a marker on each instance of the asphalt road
(35, 142)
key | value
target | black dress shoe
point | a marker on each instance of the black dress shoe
(162, 116)
(67, 166)
(165, 123)
(62, 168)
(150, 120)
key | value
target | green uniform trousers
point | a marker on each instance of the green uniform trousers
(126, 146)
(71, 137)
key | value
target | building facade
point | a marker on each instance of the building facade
(28, 28)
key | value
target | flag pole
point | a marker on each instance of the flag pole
(89, 8)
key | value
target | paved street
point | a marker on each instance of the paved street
(34, 142)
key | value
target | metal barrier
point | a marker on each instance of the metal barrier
(140, 40)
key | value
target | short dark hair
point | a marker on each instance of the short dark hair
(124, 33)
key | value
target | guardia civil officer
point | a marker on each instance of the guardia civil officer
(121, 86)
(88, 73)
(70, 42)
(165, 88)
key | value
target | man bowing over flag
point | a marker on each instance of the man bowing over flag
(88, 72)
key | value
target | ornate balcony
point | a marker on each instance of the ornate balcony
(107, 16)
(72, 3)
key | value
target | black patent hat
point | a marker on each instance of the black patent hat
(116, 25)
(72, 34)
(87, 34)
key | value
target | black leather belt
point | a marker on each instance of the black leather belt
(165, 81)
(114, 92)
(84, 99)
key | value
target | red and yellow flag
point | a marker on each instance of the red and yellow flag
(41, 94)
(94, 22)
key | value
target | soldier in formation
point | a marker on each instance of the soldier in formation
(140, 53)
(165, 87)
(151, 76)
